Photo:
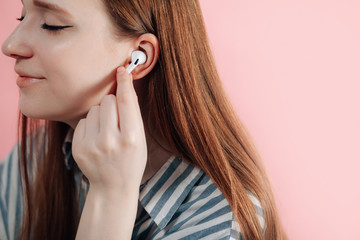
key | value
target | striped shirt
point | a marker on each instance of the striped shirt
(178, 202)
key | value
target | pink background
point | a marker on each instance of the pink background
(291, 68)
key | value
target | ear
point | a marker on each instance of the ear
(149, 44)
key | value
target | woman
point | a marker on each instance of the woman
(155, 154)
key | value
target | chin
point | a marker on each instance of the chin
(37, 109)
(35, 113)
(32, 115)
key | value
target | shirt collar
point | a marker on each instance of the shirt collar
(66, 148)
(164, 192)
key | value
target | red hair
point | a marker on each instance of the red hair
(186, 102)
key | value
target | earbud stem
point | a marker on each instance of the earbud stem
(130, 67)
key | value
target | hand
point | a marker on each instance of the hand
(109, 145)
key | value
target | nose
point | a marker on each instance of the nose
(16, 45)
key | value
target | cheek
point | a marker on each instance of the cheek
(79, 73)
(79, 58)
(80, 63)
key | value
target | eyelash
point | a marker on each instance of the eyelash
(48, 27)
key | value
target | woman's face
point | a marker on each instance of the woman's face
(77, 64)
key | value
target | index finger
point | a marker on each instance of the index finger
(128, 105)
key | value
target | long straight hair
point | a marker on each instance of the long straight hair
(185, 100)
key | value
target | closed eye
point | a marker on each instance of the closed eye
(48, 27)
(53, 28)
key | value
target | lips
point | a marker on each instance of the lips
(24, 82)
(28, 76)
(26, 79)
(24, 74)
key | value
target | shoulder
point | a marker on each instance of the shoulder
(10, 195)
(9, 166)
(182, 202)
(235, 229)
(206, 214)
(9, 174)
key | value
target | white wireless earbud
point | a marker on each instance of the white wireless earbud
(137, 57)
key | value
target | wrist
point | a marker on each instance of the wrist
(113, 194)
(108, 214)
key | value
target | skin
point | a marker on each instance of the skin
(82, 87)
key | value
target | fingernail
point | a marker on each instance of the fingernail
(121, 70)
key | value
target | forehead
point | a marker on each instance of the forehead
(86, 15)
(67, 7)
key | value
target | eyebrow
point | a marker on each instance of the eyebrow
(51, 7)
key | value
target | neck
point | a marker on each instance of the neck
(158, 153)
(158, 150)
